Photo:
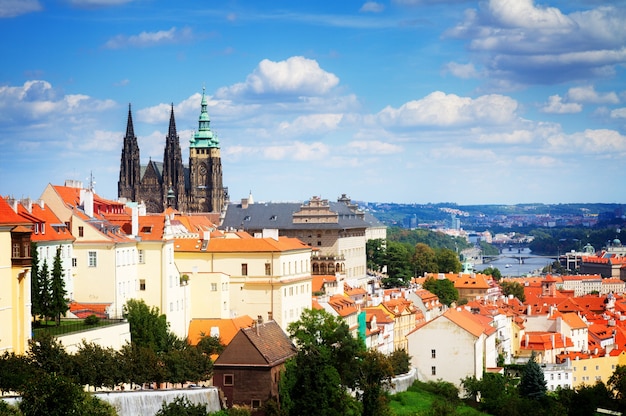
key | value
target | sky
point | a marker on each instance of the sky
(406, 101)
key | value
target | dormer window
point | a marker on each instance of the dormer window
(43, 228)
(247, 218)
(36, 228)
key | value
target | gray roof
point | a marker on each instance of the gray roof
(279, 215)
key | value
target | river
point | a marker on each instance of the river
(508, 262)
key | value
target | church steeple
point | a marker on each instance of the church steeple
(130, 169)
(173, 171)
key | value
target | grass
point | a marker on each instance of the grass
(68, 326)
(418, 402)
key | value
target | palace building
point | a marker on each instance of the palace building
(196, 187)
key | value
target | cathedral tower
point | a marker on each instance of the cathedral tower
(173, 186)
(130, 169)
(205, 167)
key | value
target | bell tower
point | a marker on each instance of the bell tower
(205, 167)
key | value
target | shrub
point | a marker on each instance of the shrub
(181, 406)
(400, 362)
(92, 320)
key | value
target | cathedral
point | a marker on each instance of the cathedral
(193, 188)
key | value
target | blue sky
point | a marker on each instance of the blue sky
(497, 101)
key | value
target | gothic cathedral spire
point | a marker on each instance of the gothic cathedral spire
(173, 172)
(128, 184)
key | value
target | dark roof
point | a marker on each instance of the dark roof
(264, 344)
(279, 215)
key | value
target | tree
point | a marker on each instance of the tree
(210, 345)
(532, 383)
(617, 383)
(182, 406)
(513, 288)
(443, 288)
(376, 253)
(48, 355)
(148, 328)
(447, 261)
(494, 272)
(98, 366)
(58, 295)
(398, 265)
(317, 379)
(44, 300)
(374, 378)
(424, 260)
(35, 288)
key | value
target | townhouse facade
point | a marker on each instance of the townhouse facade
(268, 277)
(15, 280)
(336, 231)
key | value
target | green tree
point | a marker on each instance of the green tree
(182, 406)
(317, 379)
(617, 384)
(55, 395)
(424, 260)
(35, 288)
(97, 366)
(448, 261)
(398, 265)
(15, 371)
(532, 383)
(497, 392)
(58, 295)
(148, 328)
(44, 296)
(513, 288)
(400, 362)
(443, 288)
(47, 354)
(376, 253)
(494, 272)
(374, 378)
(210, 345)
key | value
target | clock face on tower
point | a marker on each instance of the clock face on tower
(202, 170)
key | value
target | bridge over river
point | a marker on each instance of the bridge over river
(515, 262)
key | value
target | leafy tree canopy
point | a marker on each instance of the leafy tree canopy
(443, 288)
(513, 288)
(148, 328)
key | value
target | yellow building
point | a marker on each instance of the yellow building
(15, 262)
(270, 277)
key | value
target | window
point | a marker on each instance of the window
(433, 370)
(244, 269)
(81, 231)
(141, 258)
(268, 269)
(16, 250)
(142, 284)
(229, 379)
(433, 353)
(93, 259)
(213, 287)
(256, 403)
(43, 228)
(74, 262)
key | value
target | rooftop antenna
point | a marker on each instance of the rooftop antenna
(92, 182)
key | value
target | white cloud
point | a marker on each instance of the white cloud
(310, 124)
(463, 153)
(537, 161)
(524, 14)
(440, 109)
(619, 113)
(147, 39)
(372, 6)
(514, 137)
(600, 141)
(588, 94)
(524, 43)
(464, 71)
(373, 147)
(297, 151)
(297, 76)
(555, 105)
(13, 8)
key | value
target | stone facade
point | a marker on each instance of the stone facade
(194, 188)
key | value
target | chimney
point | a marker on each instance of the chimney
(86, 199)
(134, 220)
(244, 203)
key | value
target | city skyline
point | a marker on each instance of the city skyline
(407, 101)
